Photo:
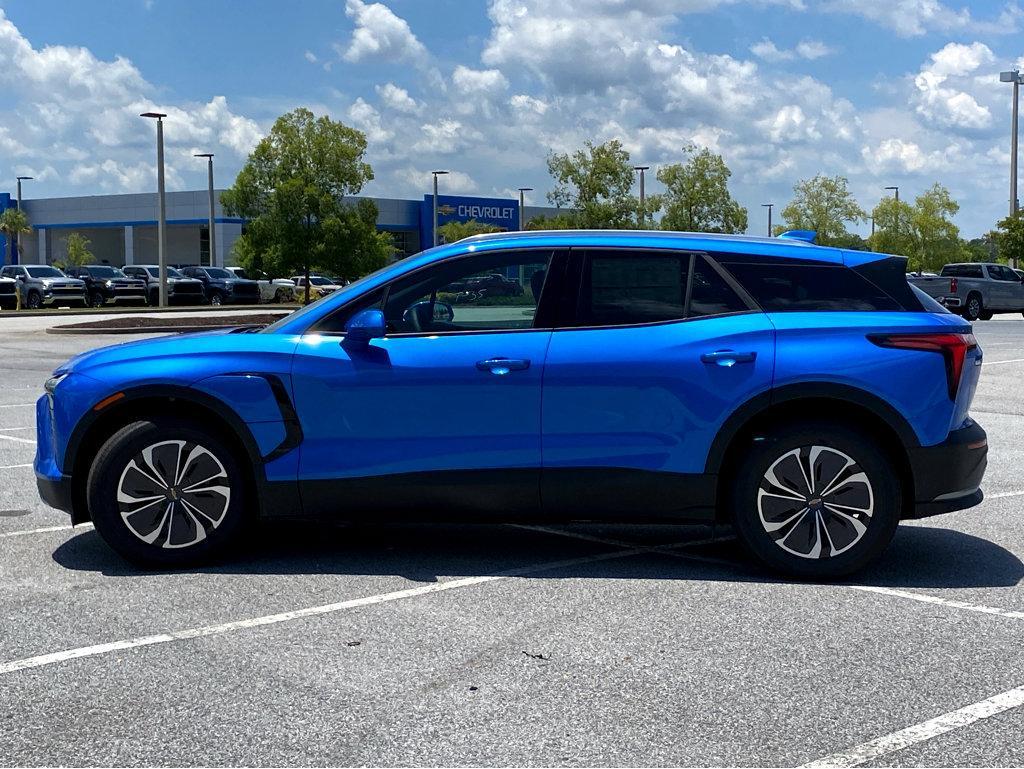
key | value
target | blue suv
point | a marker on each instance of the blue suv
(808, 395)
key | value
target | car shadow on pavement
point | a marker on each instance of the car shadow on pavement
(920, 556)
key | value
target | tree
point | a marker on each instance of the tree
(983, 249)
(823, 204)
(923, 232)
(596, 183)
(292, 191)
(697, 195)
(556, 222)
(78, 251)
(13, 223)
(1010, 239)
(453, 231)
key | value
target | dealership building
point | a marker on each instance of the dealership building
(122, 229)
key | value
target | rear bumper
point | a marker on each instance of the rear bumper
(56, 492)
(947, 476)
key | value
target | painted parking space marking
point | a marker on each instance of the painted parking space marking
(44, 530)
(12, 429)
(925, 598)
(15, 467)
(290, 616)
(999, 362)
(16, 440)
(1004, 494)
(17, 405)
(926, 730)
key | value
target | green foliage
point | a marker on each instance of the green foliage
(1009, 239)
(697, 195)
(13, 223)
(557, 222)
(78, 251)
(291, 190)
(453, 231)
(596, 183)
(823, 204)
(923, 232)
(983, 249)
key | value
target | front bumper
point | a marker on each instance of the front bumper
(947, 476)
(56, 492)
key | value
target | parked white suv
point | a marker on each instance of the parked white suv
(279, 290)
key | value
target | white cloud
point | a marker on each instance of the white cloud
(478, 81)
(944, 85)
(805, 49)
(310, 57)
(380, 34)
(397, 98)
(367, 119)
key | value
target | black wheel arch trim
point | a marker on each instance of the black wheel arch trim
(759, 403)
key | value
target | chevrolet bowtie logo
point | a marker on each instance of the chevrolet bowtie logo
(446, 209)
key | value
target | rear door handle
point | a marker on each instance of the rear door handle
(728, 357)
(502, 366)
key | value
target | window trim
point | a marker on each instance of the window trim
(557, 257)
(579, 255)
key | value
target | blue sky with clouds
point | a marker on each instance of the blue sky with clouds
(883, 91)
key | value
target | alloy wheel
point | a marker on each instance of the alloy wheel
(172, 493)
(815, 502)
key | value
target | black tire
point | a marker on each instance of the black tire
(832, 543)
(985, 315)
(34, 301)
(177, 534)
(216, 298)
(96, 299)
(973, 307)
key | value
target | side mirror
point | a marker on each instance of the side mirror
(364, 326)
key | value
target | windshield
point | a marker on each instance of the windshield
(217, 272)
(45, 272)
(106, 272)
(341, 296)
(316, 280)
(171, 273)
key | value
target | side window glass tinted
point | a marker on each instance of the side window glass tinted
(622, 288)
(710, 293)
(335, 322)
(802, 288)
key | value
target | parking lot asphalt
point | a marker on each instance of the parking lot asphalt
(507, 645)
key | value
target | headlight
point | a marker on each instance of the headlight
(56, 379)
(109, 284)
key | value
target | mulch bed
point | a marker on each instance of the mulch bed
(214, 321)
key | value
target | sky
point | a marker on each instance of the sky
(884, 92)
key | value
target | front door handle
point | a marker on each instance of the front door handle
(728, 357)
(502, 366)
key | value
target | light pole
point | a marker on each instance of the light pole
(17, 238)
(161, 222)
(209, 170)
(1013, 76)
(897, 190)
(522, 205)
(769, 206)
(436, 174)
(643, 211)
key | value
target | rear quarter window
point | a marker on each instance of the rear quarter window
(802, 288)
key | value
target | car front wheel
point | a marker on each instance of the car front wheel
(216, 299)
(167, 493)
(816, 501)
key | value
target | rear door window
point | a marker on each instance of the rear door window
(628, 287)
(802, 288)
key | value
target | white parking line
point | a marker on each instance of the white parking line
(17, 405)
(998, 362)
(15, 467)
(312, 611)
(1003, 494)
(43, 530)
(12, 429)
(924, 598)
(16, 440)
(957, 719)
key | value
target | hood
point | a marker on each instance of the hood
(73, 282)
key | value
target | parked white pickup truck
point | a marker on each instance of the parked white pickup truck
(279, 290)
(975, 289)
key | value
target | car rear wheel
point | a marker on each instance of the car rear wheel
(35, 301)
(167, 492)
(216, 299)
(817, 501)
(973, 307)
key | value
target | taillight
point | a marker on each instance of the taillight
(952, 347)
(952, 285)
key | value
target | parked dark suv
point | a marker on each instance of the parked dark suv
(104, 283)
(222, 287)
(180, 290)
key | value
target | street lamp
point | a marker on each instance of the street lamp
(436, 174)
(161, 226)
(897, 189)
(1013, 76)
(643, 211)
(769, 206)
(17, 238)
(522, 205)
(209, 170)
